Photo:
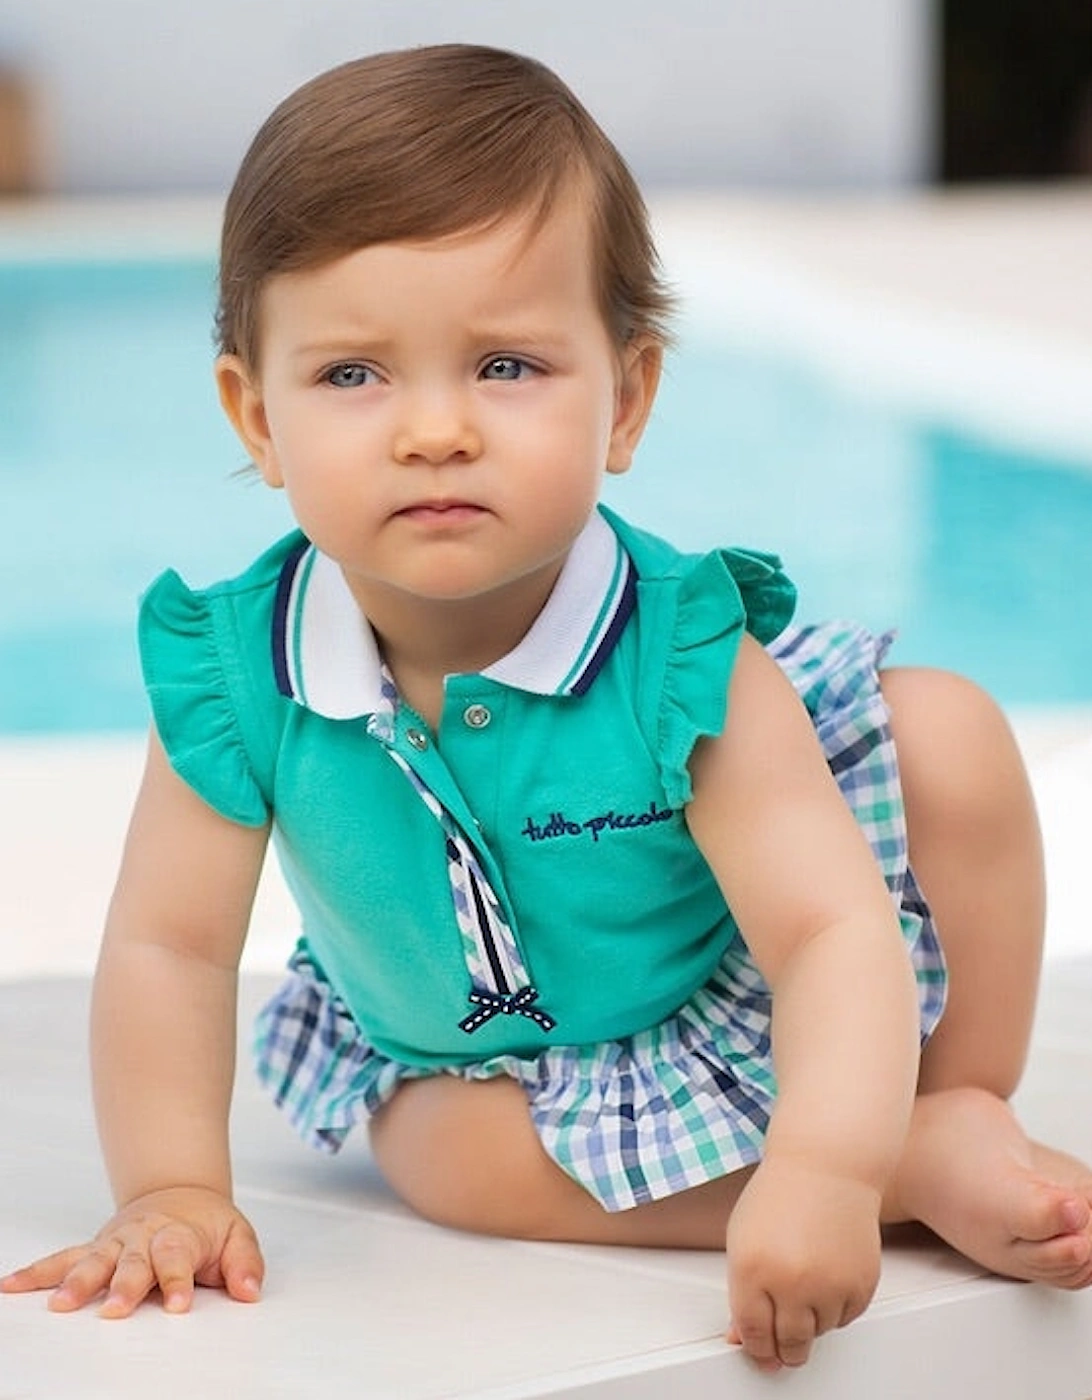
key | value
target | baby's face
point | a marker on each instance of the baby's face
(441, 413)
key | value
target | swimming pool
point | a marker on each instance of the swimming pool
(114, 462)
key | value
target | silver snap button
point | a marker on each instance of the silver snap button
(417, 739)
(477, 716)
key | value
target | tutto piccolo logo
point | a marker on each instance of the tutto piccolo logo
(558, 824)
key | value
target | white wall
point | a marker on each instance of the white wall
(150, 94)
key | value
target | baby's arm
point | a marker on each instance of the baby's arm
(163, 1059)
(804, 1245)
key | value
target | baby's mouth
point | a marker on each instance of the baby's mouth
(442, 512)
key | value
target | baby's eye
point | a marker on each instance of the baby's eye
(349, 376)
(506, 367)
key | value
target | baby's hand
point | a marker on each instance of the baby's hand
(172, 1239)
(803, 1258)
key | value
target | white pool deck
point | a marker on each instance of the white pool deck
(973, 295)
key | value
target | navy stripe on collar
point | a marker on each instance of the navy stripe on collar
(627, 601)
(281, 629)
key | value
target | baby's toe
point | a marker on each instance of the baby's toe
(1065, 1261)
(1040, 1211)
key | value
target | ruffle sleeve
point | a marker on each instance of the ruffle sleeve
(195, 710)
(722, 595)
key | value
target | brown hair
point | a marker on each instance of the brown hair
(419, 144)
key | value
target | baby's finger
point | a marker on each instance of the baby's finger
(753, 1328)
(88, 1276)
(131, 1283)
(43, 1273)
(172, 1257)
(241, 1264)
(796, 1329)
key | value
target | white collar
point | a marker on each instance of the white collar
(326, 658)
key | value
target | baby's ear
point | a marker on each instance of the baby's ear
(640, 363)
(241, 399)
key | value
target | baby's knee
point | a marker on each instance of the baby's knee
(958, 759)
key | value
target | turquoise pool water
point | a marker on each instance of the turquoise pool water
(114, 463)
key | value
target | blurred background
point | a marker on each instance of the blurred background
(134, 95)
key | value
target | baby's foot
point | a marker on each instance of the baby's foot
(971, 1174)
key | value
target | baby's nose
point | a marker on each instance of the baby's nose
(437, 426)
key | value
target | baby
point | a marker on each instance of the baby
(609, 924)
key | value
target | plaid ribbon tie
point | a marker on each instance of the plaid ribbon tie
(517, 1004)
(499, 980)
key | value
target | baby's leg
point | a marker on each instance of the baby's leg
(467, 1155)
(969, 1170)
(975, 848)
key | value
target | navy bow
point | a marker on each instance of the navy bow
(516, 1004)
